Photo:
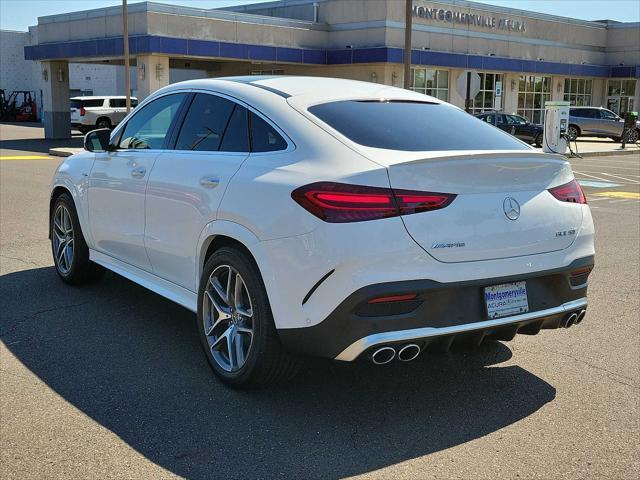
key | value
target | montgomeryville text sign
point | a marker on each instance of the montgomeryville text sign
(452, 16)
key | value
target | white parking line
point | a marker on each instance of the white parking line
(621, 178)
(596, 199)
(606, 167)
(622, 201)
(591, 176)
(604, 173)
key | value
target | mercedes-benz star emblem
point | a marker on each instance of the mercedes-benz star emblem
(511, 208)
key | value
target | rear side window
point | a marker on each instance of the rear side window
(264, 137)
(236, 135)
(87, 103)
(205, 123)
(122, 102)
(412, 126)
(584, 113)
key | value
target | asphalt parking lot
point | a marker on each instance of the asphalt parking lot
(108, 380)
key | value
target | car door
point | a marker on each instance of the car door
(118, 180)
(187, 183)
(611, 124)
(521, 128)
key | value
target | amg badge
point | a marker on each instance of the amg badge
(448, 245)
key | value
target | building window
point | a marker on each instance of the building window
(431, 82)
(533, 92)
(485, 100)
(577, 91)
(620, 95)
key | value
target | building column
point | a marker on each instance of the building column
(55, 99)
(153, 73)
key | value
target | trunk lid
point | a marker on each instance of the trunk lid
(502, 208)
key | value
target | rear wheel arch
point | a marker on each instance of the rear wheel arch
(105, 119)
(216, 242)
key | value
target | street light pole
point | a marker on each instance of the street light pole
(127, 75)
(407, 43)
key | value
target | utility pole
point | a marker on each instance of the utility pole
(408, 25)
(127, 75)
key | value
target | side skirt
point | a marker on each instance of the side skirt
(164, 288)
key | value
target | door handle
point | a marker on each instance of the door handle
(209, 182)
(138, 172)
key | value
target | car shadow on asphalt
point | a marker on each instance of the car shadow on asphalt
(131, 361)
(41, 145)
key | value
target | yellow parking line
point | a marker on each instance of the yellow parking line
(626, 195)
(25, 157)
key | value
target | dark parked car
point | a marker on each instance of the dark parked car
(516, 125)
(598, 122)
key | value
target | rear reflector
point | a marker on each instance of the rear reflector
(340, 203)
(393, 298)
(569, 192)
(82, 111)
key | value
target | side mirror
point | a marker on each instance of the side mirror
(98, 140)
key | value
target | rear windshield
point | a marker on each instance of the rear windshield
(412, 126)
(86, 103)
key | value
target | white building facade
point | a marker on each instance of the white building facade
(523, 58)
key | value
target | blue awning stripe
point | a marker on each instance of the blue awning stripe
(149, 44)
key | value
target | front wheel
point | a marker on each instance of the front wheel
(632, 136)
(235, 323)
(69, 249)
(538, 140)
(573, 133)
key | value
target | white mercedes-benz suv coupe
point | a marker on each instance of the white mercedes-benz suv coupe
(328, 217)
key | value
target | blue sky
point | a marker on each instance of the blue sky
(19, 14)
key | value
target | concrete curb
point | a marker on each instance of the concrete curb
(608, 153)
(63, 152)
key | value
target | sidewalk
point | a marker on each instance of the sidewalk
(597, 147)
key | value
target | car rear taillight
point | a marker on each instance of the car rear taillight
(569, 192)
(340, 203)
(82, 111)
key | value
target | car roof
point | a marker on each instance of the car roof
(308, 90)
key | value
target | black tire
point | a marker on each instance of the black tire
(538, 140)
(573, 132)
(266, 362)
(633, 136)
(616, 139)
(103, 122)
(80, 269)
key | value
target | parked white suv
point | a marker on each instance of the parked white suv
(89, 113)
(327, 217)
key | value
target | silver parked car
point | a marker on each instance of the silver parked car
(90, 113)
(598, 122)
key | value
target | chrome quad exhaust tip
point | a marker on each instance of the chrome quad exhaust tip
(409, 352)
(383, 355)
(581, 316)
(569, 320)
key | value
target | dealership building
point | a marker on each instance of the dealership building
(523, 58)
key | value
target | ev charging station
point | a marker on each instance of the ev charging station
(556, 123)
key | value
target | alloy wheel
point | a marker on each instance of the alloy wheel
(632, 136)
(63, 239)
(228, 318)
(572, 133)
